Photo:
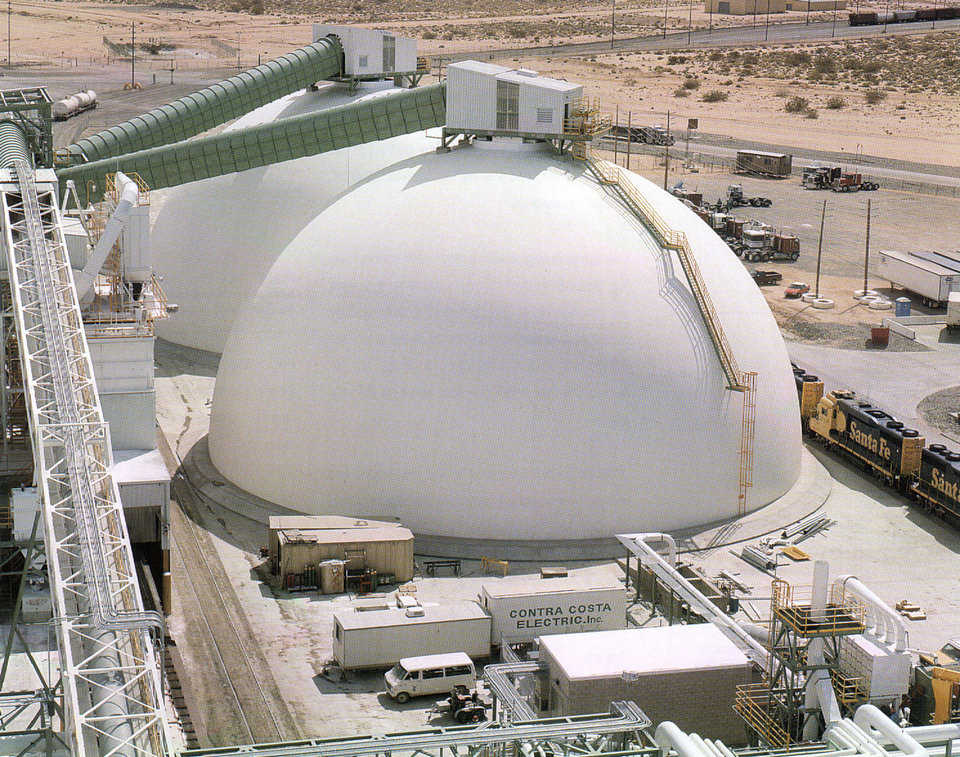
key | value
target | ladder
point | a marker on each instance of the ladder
(112, 695)
(671, 239)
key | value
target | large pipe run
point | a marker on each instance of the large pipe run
(392, 115)
(216, 104)
(888, 623)
(868, 716)
(13, 144)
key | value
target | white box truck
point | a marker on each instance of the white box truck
(953, 311)
(521, 609)
(932, 275)
(372, 639)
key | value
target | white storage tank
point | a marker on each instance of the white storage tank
(522, 608)
(484, 97)
(437, 348)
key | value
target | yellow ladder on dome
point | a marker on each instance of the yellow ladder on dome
(737, 380)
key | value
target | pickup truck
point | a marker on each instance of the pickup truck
(766, 278)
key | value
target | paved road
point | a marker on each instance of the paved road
(736, 36)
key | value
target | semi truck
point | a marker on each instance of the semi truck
(763, 244)
(522, 609)
(370, 639)
(931, 275)
(835, 178)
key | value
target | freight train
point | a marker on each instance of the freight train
(877, 441)
(872, 18)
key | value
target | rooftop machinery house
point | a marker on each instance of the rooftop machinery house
(370, 55)
(486, 100)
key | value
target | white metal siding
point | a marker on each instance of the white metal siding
(471, 99)
(915, 276)
(137, 259)
(384, 647)
(144, 494)
(534, 98)
(123, 364)
(523, 618)
(406, 54)
(132, 418)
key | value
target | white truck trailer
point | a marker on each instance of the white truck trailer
(524, 608)
(379, 638)
(932, 275)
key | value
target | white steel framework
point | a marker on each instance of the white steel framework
(112, 695)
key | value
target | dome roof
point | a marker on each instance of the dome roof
(486, 344)
(215, 240)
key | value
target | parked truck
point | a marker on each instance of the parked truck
(760, 244)
(735, 198)
(953, 311)
(367, 639)
(835, 178)
(931, 275)
(521, 609)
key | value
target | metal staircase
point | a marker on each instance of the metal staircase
(112, 694)
(671, 239)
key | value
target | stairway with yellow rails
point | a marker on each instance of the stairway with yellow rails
(586, 120)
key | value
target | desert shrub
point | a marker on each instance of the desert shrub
(874, 96)
(715, 96)
(782, 92)
(676, 60)
(428, 35)
(716, 55)
(681, 92)
(824, 64)
(836, 103)
(691, 82)
(811, 113)
(797, 58)
(796, 104)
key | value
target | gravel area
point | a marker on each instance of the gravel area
(936, 408)
(844, 336)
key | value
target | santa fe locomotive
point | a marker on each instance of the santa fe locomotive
(877, 441)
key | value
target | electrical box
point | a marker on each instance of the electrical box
(483, 97)
(24, 502)
(371, 53)
(884, 673)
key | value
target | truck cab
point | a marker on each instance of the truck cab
(429, 674)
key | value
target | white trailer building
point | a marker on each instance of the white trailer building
(486, 99)
(370, 639)
(369, 53)
(932, 275)
(523, 608)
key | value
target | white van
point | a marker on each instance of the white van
(429, 674)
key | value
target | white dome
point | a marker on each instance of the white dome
(485, 344)
(215, 240)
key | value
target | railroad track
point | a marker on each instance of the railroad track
(242, 703)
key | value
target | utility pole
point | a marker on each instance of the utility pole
(666, 153)
(833, 31)
(133, 54)
(689, 21)
(616, 135)
(823, 216)
(9, 16)
(629, 137)
(866, 254)
(613, 23)
(766, 25)
(664, 19)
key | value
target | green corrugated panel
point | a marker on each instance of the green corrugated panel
(217, 104)
(290, 138)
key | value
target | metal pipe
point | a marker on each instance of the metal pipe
(895, 625)
(943, 732)
(658, 536)
(869, 717)
(669, 736)
(13, 143)
(129, 196)
(214, 105)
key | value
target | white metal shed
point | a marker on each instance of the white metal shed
(370, 52)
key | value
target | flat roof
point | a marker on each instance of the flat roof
(941, 258)
(352, 619)
(139, 466)
(669, 649)
(516, 75)
(436, 660)
(920, 262)
(306, 522)
(765, 154)
(523, 586)
(343, 535)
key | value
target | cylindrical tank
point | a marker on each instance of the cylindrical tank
(332, 576)
(493, 374)
(66, 107)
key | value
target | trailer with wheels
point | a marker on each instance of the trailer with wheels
(932, 275)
